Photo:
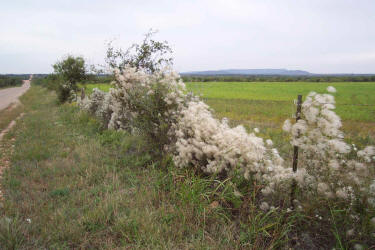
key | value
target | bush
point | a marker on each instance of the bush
(205, 143)
(141, 103)
(156, 106)
(330, 170)
(66, 92)
(69, 71)
(99, 104)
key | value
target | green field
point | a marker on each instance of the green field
(268, 104)
(276, 98)
(102, 86)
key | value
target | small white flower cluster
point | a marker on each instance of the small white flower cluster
(331, 89)
(325, 166)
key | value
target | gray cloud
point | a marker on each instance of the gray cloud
(335, 36)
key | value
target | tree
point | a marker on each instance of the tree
(71, 69)
(150, 55)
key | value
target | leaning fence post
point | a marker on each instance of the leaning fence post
(295, 152)
(82, 93)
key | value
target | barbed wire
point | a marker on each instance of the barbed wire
(344, 104)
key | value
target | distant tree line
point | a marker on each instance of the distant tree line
(50, 81)
(279, 78)
(12, 80)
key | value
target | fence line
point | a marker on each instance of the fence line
(345, 104)
(295, 152)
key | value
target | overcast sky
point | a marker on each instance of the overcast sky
(320, 36)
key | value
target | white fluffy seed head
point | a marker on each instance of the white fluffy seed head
(331, 89)
(264, 206)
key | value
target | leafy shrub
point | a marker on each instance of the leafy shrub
(66, 92)
(149, 56)
(69, 71)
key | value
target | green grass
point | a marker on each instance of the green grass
(102, 86)
(274, 100)
(267, 104)
(347, 92)
(266, 96)
(84, 187)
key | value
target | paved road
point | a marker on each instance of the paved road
(10, 95)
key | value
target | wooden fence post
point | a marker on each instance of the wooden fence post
(295, 152)
(82, 93)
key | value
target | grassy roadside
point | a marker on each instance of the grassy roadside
(74, 185)
(9, 114)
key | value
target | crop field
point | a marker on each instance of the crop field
(266, 100)
(268, 104)
(102, 86)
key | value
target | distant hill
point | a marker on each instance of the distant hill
(284, 72)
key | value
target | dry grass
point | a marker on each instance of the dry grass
(72, 185)
(82, 187)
